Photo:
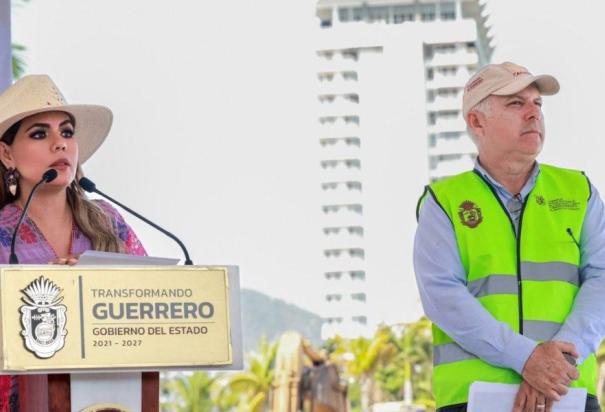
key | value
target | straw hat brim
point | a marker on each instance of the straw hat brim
(93, 123)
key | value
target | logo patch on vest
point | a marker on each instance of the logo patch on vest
(470, 214)
(540, 200)
(563, 204)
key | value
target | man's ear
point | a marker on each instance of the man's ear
(6, 155)
(475, 123)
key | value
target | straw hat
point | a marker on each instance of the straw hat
(37, 94)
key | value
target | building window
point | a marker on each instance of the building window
(329, 164)
(361, 297)
(327, 142)
(353, 163)
(427, 12)
(354, 186)
(326, 98)
(355, 230)
(349, 163)
(356, 208)
(357, 275)
(357, 253)
(378, 14)
(360, 319)
(358, 13)
(402, 14)
(353, 141)
(333, 297)
(352, 97)
(333, 275)
(350, 55)
(329, 186)
(349, 75)
(326, 54)
(332, 253)
(327, 119)
(351, 119)
(344, 14)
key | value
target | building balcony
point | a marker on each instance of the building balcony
(340, 173)
(336, 64)
(342, 286)
(343, 263)
(459, 57)
(451, 167)
(456, 125)
(344, 308)
(460, 145)
(338, 127)
(340, 196)
(449, 82)
(445, 104)
(338, 87)
(341, 240)
(340, 148)
(338, 107)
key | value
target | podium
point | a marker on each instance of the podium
(94, 338)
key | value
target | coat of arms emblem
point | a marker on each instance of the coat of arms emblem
(470, 214)
(43, 318)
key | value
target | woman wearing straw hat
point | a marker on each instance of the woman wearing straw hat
(40, 131)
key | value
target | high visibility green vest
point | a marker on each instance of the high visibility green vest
(528, 281)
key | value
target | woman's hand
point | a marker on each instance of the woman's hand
(69, 260)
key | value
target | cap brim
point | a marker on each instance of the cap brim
(547, 85)
(93, 123)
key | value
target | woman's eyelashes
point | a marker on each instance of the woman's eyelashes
(42, 133)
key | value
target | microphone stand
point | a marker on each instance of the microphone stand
(48, 176)
(89, 186)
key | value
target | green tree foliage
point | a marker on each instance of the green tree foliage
(408, 376)
(254, 385)
(193, 393)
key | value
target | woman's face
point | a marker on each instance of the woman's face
(44, 141)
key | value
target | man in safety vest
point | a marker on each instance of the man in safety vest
(510, 257)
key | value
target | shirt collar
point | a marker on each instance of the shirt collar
(527, 187)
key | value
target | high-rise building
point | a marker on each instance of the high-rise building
(390, 80)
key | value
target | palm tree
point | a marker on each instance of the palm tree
(362, 357)
(18, 61)
(193, 392)
(254, 385)
(408, 376)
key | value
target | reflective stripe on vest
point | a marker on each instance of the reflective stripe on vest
(528, 282)
(507, 284)
(535, 329)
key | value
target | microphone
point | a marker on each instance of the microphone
(48, 176)
(90, 187)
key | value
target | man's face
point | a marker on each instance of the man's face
(514, 126)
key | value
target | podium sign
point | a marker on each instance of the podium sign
(95, 318)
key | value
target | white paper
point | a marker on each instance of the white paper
(500, 397)
(94, 257)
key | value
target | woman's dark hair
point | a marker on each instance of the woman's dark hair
(9, 136)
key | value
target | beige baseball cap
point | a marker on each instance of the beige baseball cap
(502, 80)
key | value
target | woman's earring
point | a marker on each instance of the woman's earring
(11, 180)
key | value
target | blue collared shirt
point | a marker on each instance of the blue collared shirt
(447, 302)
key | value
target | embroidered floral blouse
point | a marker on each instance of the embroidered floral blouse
(32, 248)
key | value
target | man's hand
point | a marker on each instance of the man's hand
(548, 371)
(530, 400)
